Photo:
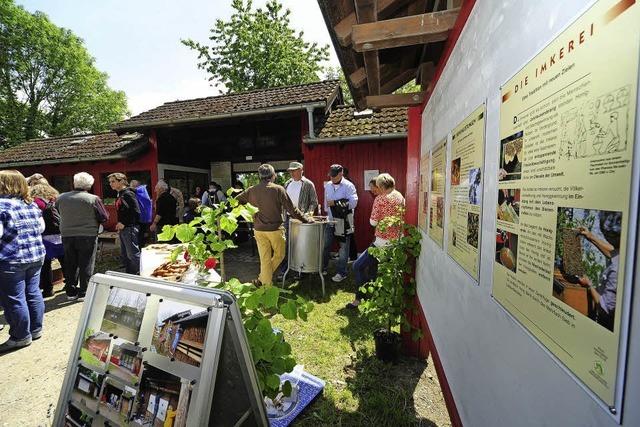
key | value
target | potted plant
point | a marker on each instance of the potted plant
(390, 296)
(204, 241)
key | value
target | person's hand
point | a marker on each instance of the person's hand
(153, 227)
(502, 174)
(119, 226)
(331, 203)
(585, 282)
(583, 231)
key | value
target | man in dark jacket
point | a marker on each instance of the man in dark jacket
(128, 222)
(271, 200)
(81, 214)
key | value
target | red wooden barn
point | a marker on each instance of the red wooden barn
(225, 138)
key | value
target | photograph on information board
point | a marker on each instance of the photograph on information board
(180, 331)
(123, 314)
(587, 258)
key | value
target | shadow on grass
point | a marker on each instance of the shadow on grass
(385, 395)
(358, 328)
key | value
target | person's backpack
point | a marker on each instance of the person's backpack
(146, 205)
(51, 218)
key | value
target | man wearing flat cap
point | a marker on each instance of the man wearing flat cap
(340, 200)
(271, 200)
(303, 196)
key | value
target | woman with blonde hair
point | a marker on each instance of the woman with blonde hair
(21, 257)
(35, 179)
(45, 197)
(388, 203)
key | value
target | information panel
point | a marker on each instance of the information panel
(436, 207)
(566, 150)
(465, 192)
(423, 195)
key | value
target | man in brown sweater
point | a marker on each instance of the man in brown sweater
(271, 200)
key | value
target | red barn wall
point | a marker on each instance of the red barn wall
(385, 155)
(146, 161)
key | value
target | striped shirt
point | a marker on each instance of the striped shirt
(21, 226)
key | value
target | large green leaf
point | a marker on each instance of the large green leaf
(273, 381)
(185, 233)
(271, 296)
(168, 233)
(228, 223)
(289, 310)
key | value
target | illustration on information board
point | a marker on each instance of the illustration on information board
(599, 126)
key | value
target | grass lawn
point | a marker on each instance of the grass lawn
(336, 345)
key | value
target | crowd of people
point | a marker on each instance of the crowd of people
(298, 199)
(38, 225)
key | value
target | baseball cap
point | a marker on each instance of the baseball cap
(334, 170)
(294, 166)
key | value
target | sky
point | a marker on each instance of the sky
(137, 42)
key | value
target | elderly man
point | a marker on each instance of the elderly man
(340, 200)
(81, 214)
(166, 206)
(271, 200)
(128, 224)
(303, 196)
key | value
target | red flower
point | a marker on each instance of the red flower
(186, 256)
(210, 263)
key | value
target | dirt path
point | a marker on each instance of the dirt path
(32, 377)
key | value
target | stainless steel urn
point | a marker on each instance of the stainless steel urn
(305, 246)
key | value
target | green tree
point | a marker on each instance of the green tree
(49, 85)
(257, 49)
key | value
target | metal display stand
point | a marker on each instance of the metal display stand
(223, 386)
(305, 245)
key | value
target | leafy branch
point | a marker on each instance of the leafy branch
(389, 298)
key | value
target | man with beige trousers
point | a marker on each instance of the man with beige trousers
(271, 200)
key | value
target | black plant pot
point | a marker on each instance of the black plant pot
(387, 345)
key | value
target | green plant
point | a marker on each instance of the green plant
(207, 236)
(271, 353)
(389, 298)
(204, 239)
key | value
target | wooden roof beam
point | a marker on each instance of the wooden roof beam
(367, 11)
(405, 31)
(343, 28)
(425, 73)
(359, 77)
(400, 79)
(396, 100)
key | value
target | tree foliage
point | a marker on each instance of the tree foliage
(257, 49)
(49, 85)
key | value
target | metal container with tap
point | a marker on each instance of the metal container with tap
(305, 247)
